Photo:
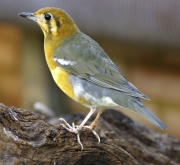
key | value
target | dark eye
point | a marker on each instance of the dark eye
(47, 17)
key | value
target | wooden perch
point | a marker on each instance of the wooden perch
(26, 138)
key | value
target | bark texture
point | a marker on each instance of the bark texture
(26, 138)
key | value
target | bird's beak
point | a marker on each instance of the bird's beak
(29, 15)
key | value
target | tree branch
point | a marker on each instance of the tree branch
(26, 138)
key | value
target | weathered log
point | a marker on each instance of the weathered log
(26, 138)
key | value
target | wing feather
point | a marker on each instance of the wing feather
(83, 57)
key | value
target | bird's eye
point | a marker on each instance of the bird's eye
(47, 17)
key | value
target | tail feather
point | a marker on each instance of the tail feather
(148, 115)
(134, 104)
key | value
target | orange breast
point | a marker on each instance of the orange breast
(61, 77)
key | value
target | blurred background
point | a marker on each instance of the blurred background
(142, 37)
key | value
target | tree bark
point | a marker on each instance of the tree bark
(26, 138)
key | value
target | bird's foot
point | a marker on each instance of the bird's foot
(94, 132)
(76, 129)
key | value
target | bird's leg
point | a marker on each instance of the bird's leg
(86, 118)
(94, 124)
(76, 129)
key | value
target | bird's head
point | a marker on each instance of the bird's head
(54, 22)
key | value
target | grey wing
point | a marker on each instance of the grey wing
(83, 57)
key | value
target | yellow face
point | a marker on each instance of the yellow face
(54, 22)
(49, 20)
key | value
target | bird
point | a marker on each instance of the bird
(83, 71)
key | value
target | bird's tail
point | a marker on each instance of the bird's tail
(148, 115)
(134, 104)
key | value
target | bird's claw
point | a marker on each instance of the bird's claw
(75, 129)
(94, 132)
(67, 126)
